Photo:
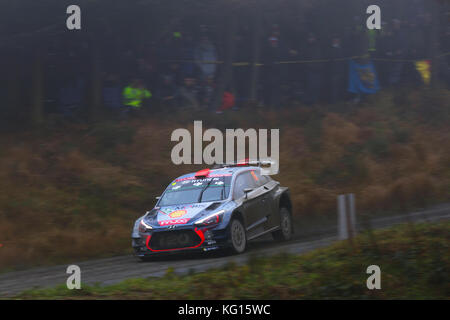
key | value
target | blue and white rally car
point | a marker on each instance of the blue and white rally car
(213, 209)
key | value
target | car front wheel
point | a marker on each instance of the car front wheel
(237, 236)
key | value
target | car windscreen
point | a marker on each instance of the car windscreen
(192, 190)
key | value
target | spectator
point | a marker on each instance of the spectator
(337, 70)
(398, 47)
(313, 70)
(208, 93)
(168, 58)
(293, 86)
(206, 56)
(241, 74)
(188, 66)
(71, 96)
(112, 93)
(167, 91)
(272, 73)
(228, 101)
(148, 65)
(134, 95)
(189, 94)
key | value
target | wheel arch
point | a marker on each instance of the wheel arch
(237, 214)
(284, 200)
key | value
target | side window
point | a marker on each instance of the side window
(264, 180)
(259, 179)
(244, 180)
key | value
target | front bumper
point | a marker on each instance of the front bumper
(189, 238)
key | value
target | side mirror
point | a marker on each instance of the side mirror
(246, 191)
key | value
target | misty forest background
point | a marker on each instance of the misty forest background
(72, 189)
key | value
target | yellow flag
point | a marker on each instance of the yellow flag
(424, 68)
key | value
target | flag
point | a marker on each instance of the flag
(363, 78)
(424, 68)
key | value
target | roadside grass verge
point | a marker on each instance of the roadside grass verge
(414, 262)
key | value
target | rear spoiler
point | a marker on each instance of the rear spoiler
(268, 166)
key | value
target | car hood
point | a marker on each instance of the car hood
(180, 214)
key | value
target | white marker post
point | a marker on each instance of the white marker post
(346, 216)
(342, 220)
(351, 217)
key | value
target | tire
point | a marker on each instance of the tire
(145, 259)
(285, 231)
(238, 237)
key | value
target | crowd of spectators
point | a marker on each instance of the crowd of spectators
(181, 70)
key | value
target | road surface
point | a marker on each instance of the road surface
(116, 269)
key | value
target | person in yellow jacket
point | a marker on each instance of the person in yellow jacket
(134, 94)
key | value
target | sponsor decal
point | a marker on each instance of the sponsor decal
(177, 213)
(211, 248)
(205, 179)
(169, 211)
(173, 221)
(163, 211)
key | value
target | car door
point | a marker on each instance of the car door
(266, 190)
(270, 207)
(252, 204)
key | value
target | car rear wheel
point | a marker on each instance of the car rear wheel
(237, 236)
(285, 231)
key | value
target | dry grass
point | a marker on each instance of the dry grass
(74, 192)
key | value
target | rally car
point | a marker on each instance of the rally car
(214, 209)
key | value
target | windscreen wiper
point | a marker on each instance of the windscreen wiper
(223, 191)
(203, 190)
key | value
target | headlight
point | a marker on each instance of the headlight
(211, 219)
(143, 227)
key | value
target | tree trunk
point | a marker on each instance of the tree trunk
(434, 39)
(256, 52)
(13, 92)
(37, 103)
(96, 83)
(227, 68)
